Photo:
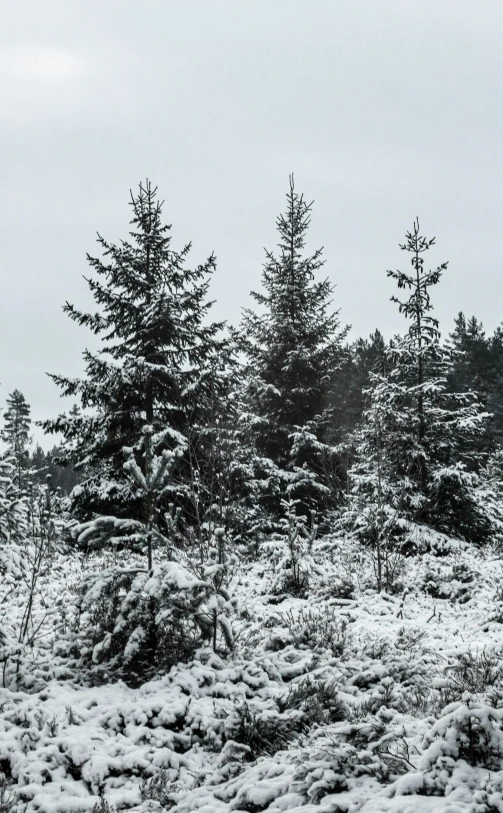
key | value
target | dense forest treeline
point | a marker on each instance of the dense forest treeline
(300, 373)
(191, 440)
(477, 368)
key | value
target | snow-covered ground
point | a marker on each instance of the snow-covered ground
(343, 700)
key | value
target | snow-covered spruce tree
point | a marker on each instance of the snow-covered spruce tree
(16, 435)
(293, 348)
(160, 357)
(376, 491)
(417, 458)
(141, 617)
(290, 551)
(490, 493)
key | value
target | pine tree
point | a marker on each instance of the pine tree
(160, 359)
(377, 492)
(293, 347)
(16, 435)
(425, 437)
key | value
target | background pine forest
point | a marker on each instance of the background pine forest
(260, 568)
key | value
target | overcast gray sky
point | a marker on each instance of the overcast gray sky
(383, 110)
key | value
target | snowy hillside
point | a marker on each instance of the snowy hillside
(343, 700)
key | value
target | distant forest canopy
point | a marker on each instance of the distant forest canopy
(478, 367)
(38, 466)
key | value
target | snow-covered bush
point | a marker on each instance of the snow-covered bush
(318, 629)
(159, 788)
(385, 695)
(351, 568)
(489, 797)
(454, 582)
(104, 806)
(475, 672)
(469, 732)
(137, 623)
(410, 639)
(318, 701)
(342, 587)
(7, 798)
(141, 619)
(291, 551)
(340, 755)
(264, 731)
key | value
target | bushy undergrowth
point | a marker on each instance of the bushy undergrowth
(318, 701)
(454, 582)
(264, 732)
(137, 625)
(476, 672)
(319, 629)
(319, 698)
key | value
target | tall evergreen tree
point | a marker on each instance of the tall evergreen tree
(16, 435)
(159, 361)
(293, 347)
(424, 437)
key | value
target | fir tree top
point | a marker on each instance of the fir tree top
(423, 327)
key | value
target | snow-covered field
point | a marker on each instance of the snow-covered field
(340, 701)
